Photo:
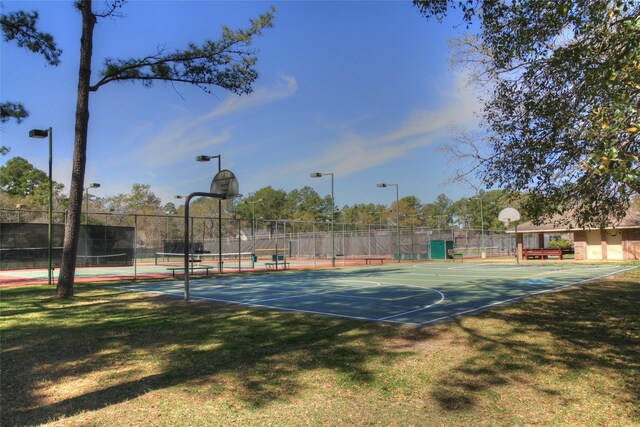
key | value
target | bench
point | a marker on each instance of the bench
(274, 266)
(370, 260)
(541, 253)
(206, 268)
(457, 255)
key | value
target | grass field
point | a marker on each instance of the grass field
(111, 357)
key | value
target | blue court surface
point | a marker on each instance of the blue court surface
(410, 294)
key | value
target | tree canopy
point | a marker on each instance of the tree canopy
(20, 178)
(562, 108)
(24, 184)
(140, 200)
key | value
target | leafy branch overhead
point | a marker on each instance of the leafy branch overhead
(12, 110)
(21, 27)
(227, 62)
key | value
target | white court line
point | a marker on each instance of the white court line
(493, 274)
(297, 310)
(277, 308)
(382, 299)
(546, 291)
(495, 267)
(442, 298)
(493, 271)
(375, 284)
(489, 267)
(228, 301)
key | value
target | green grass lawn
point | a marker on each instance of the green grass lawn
(108, 357)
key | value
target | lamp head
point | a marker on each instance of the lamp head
(315, 175)
(382, 185)
(38, 133)
(177, 196)
(94, 185)
(203, 158)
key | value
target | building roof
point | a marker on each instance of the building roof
(555, 225)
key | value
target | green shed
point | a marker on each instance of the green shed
(440, 249)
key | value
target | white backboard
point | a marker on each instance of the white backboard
(508, 215)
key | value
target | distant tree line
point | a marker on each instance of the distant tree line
(23, 184)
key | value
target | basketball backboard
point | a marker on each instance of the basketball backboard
(508, 215)
(225, 183)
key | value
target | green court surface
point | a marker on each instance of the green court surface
(410, 294)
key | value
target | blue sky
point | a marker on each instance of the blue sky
(359, 89)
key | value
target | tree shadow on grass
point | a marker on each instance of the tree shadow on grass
(107, 331)
(593, 326)
(266, 354)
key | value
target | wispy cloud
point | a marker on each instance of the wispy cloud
(186, 136)
(356, 151)
(286, 87)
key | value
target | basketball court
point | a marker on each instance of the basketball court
(409, 294)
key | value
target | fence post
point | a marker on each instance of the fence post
(135, 246)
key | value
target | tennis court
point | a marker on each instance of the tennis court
(410, 294)
(161, 268)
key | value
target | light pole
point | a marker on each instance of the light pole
(86, 189)
(86, 221)
(43, 133)
(481, 225)
(383, 185)
(333, 204)
(203, 158)
(253, 229)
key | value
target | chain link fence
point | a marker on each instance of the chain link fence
(151, 235)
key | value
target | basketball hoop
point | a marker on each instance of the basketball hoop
(225, 183)
(224, 186)
(508, 215)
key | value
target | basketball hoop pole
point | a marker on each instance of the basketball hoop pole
(507, 215)
(187, 244)
(223, 186)
(517, 254)
(206, 159)
(507, 222)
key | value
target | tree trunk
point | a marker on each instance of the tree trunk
(72, 228)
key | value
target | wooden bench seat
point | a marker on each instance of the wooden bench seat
(541, 253)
